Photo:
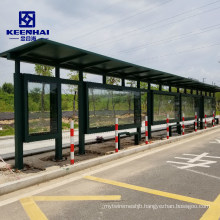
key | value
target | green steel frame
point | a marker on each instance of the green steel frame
(51, 53)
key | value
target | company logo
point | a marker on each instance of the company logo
(27, 19)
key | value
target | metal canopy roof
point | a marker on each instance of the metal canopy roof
(51, 53)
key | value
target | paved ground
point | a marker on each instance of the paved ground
(7, 147)
(175, 181)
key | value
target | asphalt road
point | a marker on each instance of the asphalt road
(176, 181)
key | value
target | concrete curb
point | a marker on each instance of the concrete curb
(49, 175)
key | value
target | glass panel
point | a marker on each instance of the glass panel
(209, 106)
(165, 104)
(105, 105)
(143, 105)
(190, 105)
(69, 105)
(41, 99)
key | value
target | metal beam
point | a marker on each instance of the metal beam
(69, 58)
(93, 64)
(137, 72)
(118, 68)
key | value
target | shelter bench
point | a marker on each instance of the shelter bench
(128, 134)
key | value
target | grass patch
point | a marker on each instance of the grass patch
(7, 130)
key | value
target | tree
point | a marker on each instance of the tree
(42, 70)
(8, 88)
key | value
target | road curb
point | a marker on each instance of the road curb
(49, 175)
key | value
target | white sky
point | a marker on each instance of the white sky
(179, 37)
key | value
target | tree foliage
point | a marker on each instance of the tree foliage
(8, 88)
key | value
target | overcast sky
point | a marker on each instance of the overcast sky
(179, 37)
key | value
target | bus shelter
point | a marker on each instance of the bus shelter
(98, 103)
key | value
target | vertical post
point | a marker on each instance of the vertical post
(104, 79)
(123, 82)
(146, 130)
(139, 106)
(201, 112)
(160, 87)
(168, 133)
(183, 125)
(213, 120)
(177, 89)
(82, 114)
(195, 121)
(18, 116)
(58, 141)
(185, 90)
(150, 111)
(116, 135)
(170, 89)
(205, 122)
(71, 142)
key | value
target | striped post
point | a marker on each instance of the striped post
(195, 121)
(183, 125)
(213, 120)
(146, 129)
(205, 122)
(116, 134)
(71, 142)
(168, 135)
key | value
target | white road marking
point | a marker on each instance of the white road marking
(196, 161)
(188, 165)
(214, 157)
(198, 157)
(217, 141)
(204, 174)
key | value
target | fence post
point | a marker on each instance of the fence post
(71, 142)
(146, 130)
(183, 125)
(168, 135)
(205, 122)
(195, 121)
(213, 120)
(116, 134)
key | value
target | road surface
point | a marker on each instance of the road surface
(175, 181)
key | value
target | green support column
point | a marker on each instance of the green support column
(150, 111)
(180, 109)
(160, 87)
(139, 128)
(58, 141)
(122, 82)
(104, 79)
(82, 113)
(18, 116)
(170, 89)
(177, 89)
(202, 112)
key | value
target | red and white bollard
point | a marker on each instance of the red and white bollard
(205, 122)
(146, 129)
(213, 120)
(183, 125)
(116, 134)
(72, 142)
(168, 134)
(195, 121)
